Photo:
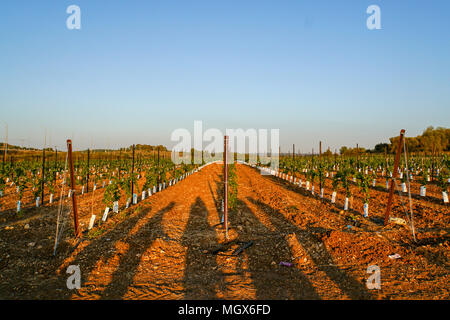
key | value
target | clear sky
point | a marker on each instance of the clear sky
(137, 70)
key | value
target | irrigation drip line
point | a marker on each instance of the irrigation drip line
(226, 246)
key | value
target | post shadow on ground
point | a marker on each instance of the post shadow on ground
(216, 201)
(124, 274)
(201, 274)
(88, 257)
(319, 255)
(268, 284)
(273, 283)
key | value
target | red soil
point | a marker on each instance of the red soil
(160, 248)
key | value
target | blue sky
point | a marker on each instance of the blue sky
(137, 70)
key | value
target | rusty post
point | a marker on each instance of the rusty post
(120, 163)
(432, 162)
(225, 179)
(4, 155)
(88, 169)
(132, 177)
(72, 186)
(320, 163)
(159, 178)
(43, 176)
(357, 155)
(56, 161)
(394, 176)
(5, 144)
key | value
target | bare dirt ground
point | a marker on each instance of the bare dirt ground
(161, 247)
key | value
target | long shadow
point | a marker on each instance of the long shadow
(268, 283)
(272, 283)
(124, 274)
(216, 202)
(88, 257)
(319, 255)
(201, 274)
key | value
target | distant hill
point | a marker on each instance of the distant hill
(13, 147)
(146, 147)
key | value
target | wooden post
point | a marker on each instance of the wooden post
(422, 159)
(72, 186)
(132, 180)
(120, 162)
(88, 169)
(357, 155)
(159, 179)
(4, 155)
(5, 147)
(225, 189)
(56, 161)
(432, 162)
(394, 176)
(43, 176)
(320, 163)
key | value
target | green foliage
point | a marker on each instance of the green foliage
(321, 173)
(344, 176)
(37, 186)
(364, 183)
(2, 181)
(312, 175)
(112, 193)
(150, 179)
(20, 180)
(423, 178)
(443, 179)
(335, 182)
(232, 186)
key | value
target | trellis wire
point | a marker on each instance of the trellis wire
(60, 218)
